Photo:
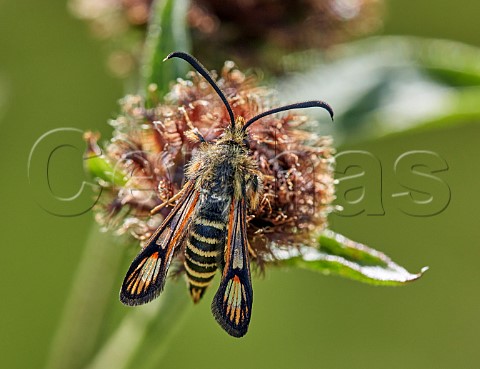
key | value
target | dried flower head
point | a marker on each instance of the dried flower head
(255, 32)
(150, 147)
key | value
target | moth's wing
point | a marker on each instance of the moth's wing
(232, 304)
(147, 273)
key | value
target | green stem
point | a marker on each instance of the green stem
(76, 337)
(144, 333)
(167, 32)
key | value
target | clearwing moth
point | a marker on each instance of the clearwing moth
(209, 221)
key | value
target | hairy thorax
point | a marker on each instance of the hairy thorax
(225, 170)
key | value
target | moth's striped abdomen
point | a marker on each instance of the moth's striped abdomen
(203, 250)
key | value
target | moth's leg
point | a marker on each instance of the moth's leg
(251, 250)
(254, 186)
(193, 134)
(170, 201)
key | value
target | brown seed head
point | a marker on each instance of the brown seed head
(254, 32)
(152, 146)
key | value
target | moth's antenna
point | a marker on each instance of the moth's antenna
(302, 105)
(201, 69)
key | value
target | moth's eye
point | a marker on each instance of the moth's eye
(246, 143)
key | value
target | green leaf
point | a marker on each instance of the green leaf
(451, 62)
(99, 168)
(167, 32)
(97, 165)
(391, 85)
(337, 255)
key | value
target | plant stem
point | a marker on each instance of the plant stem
(76, 337)
(167, 32)
(144, 331)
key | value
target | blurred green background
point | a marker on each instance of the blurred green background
(52, 74)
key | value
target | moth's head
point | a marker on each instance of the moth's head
(235, 134)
